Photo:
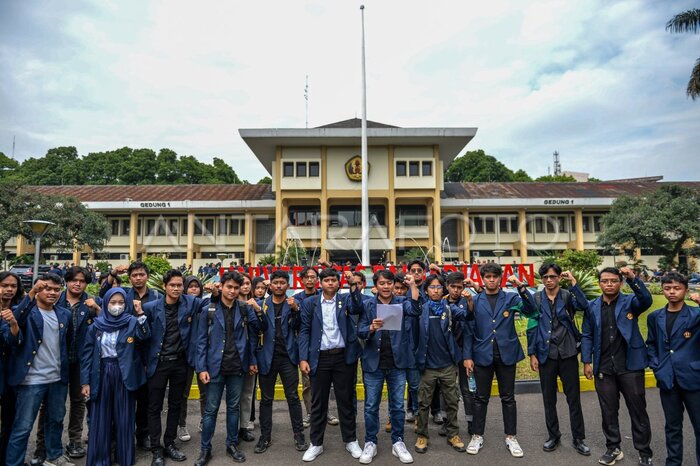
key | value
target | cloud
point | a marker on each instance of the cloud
(601, 82)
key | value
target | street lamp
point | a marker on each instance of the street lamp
(498, 253)
(39, 227)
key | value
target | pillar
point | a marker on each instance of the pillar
(76, 256)
(466, 237)
(248, 239)
(578, 220)
(190, 239)
(437, 218)
(391, 207)
(278, 205)
(133, 235)
(522, 233)
(324, 203)
(21, 245)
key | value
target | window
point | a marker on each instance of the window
(503, 225)
(301, 169)
(204, 226)
(314, 169)
(304, 216)
(598, 223)
(478, 225)
(539, 225)
(115, 227)
(428, 168)
(150, 227)
(352, 216)
(400, 168)
(126, 227)
(489, 225)
(183, 229)
(236, 227)
(514, 228)
(172, 227)
(223, 226)
(288, 169)
(586, 224)
(411, 215)
(413, 168)
(562, 224)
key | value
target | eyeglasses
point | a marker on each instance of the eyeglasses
(550, 277)
(611, 281)
(435, 287)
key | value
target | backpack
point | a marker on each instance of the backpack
(566, 295)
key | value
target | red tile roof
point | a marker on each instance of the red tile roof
(184, 192)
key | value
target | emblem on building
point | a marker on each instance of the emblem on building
(353, 168)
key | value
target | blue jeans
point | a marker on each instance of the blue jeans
(215, 390)
(374, 382)
(413, 379)
(29, 398)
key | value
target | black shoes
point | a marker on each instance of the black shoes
(581, 448)
(38, 459)
(551, 444)
(144, 443)
(645, 461)
(172, 452)
(158, 458)
(246, 435)
(262, 445)
(300, 442)
(611, 457)
(75, 450)
(204, 457)
(235, 454)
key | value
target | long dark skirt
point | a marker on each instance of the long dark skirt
(111, 417)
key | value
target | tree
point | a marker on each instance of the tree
(475, 166)
(556, 179)
(688, 21)
(665, 220)
(582, 261)
(265, 180)
(16, 206)
(521, 175)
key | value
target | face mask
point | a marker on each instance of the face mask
(116, 310)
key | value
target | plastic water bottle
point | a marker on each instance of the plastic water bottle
(472, 383)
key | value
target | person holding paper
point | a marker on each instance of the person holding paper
(385, 358)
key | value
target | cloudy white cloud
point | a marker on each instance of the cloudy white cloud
(601, 82)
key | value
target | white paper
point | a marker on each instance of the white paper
(392, 315)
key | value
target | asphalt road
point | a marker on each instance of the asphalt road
(531, 434)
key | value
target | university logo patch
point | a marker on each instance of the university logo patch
(687, 334)
(130, 340)
(630, 316)
(506, 314)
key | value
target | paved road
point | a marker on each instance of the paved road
(530, 427)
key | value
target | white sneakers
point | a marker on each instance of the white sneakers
(354, 449)
(514, 447)
(399, 450)
(475, 444)
(312, 452)
(368, 453)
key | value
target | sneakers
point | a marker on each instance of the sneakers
(183, 434)
(475, 444)
(399, 450)
(387, 426)
(262, 445)
(514, 447)
(368, 453)
(60, 461)
(456, 443)
(300, 442)
(306, 421)
(354, 449)
(332, 420)
(75, 450)
(611, 456)
(645, 461)
(421, 444)
(313, 452)
(437, 418)
(410, 417)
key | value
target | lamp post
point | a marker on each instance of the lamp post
(498, 253)
(39, 227)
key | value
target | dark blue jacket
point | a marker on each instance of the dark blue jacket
(290, 321)
(627, 310)
(155, 311)
(31, 325)
(133, 374)
(152, 294)
(496, 326)
(347, 306)
(7, 342)
(211, 337)
(84, 319)
(401, 340)
(675, 358)
(538, 337)
(459, 315)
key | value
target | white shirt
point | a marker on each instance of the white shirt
(108, 344)
(331, 337)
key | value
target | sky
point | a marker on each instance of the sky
(600, 81)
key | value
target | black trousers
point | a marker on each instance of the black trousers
(332, 369)
(141, 415)
(674, 402)
(173, 373)
(7, 417)
(631, 385)
(506, 390)
(467, 397)
(567, 370)
(290, 381)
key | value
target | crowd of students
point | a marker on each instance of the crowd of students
(115, 357)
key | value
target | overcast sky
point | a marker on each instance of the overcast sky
(600, 81)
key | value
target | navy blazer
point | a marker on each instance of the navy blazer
(311, 330)
(496, 326)
(133, 373)
(401, 340)
(538, 337)
(155, 311)
(212, 338)
(31, 325)
(627, 310)
(85, 317)
(422, 311)
(151, 295)
(301, 296)
(7, 342)
(675, 359)
(290, 321)
(203, 308)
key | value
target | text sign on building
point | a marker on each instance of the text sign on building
(154, 205)
(558, 202)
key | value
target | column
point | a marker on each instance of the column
(133, 236)
(248, 239)
(190, 239)
(391, 207)
(522, 232)
(324, 203)
(578, 220)
(466, 237)
(437, 231)
(279, 201)
(76, 256)
(21, 245)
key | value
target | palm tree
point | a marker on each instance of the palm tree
(688, 21)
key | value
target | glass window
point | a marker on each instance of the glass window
(172, 226)
(209, 226)
(400, 168)
(489, 225)
(301, 168)
(150, 227)
(304, 216)
(539, 225)
(413, 168)
(478, 225)
(115, 227)
(514, 225)
(314, 169)
(161, 227)
(139, 227)
(586, 224)
(428, 168)
(503, 225)
(223, 226)
(288, 169)
(562, 224)
(598, 223)
(352, 216)
(126, 227)
(183, 228)
(235, 227)
(411, 215)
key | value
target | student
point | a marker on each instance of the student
(612, 343)
(260, 288)
(416, 269)
(328, 351)
(494, 349)
(552, 339)
(39, 370)
(278, 354)
(111, 371)
(250, 382)
(225, 342)
(384, 359)
(673, 346)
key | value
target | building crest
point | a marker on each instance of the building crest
(353, 168)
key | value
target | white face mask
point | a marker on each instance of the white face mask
(116, 309)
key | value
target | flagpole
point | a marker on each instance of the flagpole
(365, 171)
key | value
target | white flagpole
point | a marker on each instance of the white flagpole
(365, 171)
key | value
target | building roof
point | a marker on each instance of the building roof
(356, 123)
(180, 192)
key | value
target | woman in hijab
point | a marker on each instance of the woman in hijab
(110, 372)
